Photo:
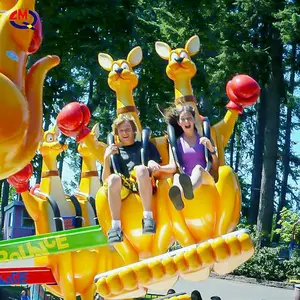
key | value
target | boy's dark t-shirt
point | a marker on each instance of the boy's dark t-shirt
(130, 156)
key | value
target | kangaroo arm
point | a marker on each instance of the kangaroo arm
(222, 131)
(34, 93)
(96, 147)
(31, 204)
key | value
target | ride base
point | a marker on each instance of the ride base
(222, 254)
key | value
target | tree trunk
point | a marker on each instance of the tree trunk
(287, 144)
(1, 184)
(61, 157)
(273, 96)
(91, 105)
(5, 195)
(257, 159)
(61, 163)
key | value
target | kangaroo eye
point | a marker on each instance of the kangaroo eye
(115, 67)
(49, 138)
(174, 56)
(125, 66)
(183, 54)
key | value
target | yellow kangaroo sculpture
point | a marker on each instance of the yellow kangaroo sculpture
(216, 207)
(122, 79)
(74, 272)
(159, 272)
(136, 246)
(21, 100)
(89, 180)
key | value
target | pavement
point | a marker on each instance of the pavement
(233, 290)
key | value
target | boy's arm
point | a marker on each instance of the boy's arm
(110, 150)
(106, 169)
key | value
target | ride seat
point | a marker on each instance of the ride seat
(174, 147)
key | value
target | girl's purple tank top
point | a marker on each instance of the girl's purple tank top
(191, 156)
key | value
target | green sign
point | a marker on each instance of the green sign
(52, 243)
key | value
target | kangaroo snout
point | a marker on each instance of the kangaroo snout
(179, 59)
(119, 70)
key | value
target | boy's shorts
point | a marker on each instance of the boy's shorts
(129, 185)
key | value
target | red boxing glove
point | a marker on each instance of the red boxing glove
(20, 180)
(73, 119)
(242, 91)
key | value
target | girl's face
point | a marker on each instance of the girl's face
(186, 122)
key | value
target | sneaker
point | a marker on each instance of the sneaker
(149, 226)
(186, 183)
(175, 196)
(115, 235)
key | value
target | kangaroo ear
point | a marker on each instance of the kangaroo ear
(192, 46)
(95, 130)
(163, 50)
(105, 61)
(135, 56)
(56, 130)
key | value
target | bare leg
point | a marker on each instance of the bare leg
(115, 234)
(196, 177)
(145, 187)
(145, 190)
(114, 196)
(176, 181)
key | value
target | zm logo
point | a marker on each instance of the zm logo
(23, 15)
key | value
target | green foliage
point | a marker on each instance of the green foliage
(266, 264)
(287, 221)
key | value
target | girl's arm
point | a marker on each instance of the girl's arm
(170, 168)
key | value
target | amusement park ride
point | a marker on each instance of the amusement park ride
(69, 253)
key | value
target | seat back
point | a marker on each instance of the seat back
(174, 147)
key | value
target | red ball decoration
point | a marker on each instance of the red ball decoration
(243, 90)
(73, 118)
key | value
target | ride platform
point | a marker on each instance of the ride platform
(222, 254)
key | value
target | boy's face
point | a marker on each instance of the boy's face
(125, 133)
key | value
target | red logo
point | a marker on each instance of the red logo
(23, 15)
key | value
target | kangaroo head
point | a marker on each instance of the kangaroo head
(83, 150)
(50, 145)
(120, 71)
(180, 64)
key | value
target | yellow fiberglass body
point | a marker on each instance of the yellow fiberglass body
(122, 79)
(215, 209)
(74, 271)
(21, 92)
(137, 246)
